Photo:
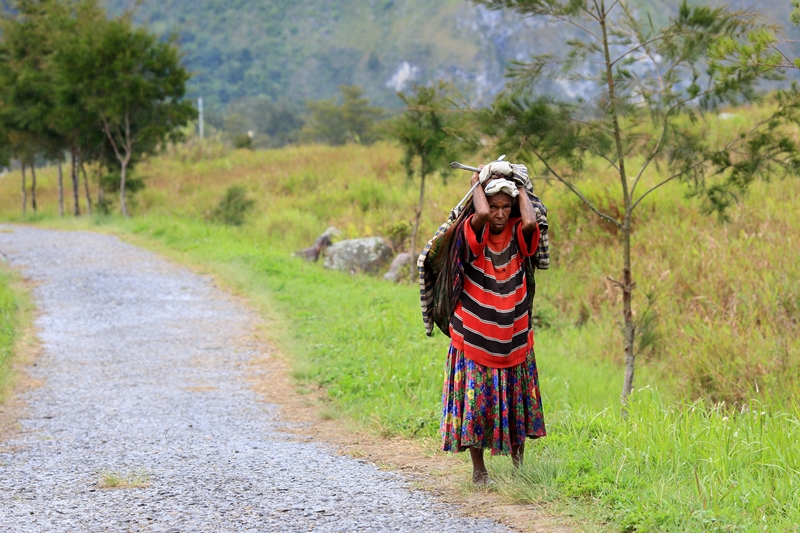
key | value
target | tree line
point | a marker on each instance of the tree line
(83, 90)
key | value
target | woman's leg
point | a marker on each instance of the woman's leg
(479, 474)
(517, 454)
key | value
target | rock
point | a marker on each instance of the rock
(312, 253)
(397, 267)
(369, 254)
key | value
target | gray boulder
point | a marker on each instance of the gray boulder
(397, 268)
(369, 254)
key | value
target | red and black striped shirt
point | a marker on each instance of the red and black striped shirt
(491, 324)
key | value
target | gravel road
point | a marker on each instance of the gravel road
(145, 369)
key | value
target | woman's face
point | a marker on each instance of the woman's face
(499, 211)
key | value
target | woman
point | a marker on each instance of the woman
(491, 394)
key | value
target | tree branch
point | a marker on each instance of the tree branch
(577, 192)
(699, 163)
(651, 157)
(649, 41)
(600, 155)
(111, 139)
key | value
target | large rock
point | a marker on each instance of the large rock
(369, 254)
(398, 267)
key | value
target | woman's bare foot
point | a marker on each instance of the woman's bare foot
(480, 476)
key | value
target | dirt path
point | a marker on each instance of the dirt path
(148, 375)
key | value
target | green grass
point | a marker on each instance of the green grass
(11, 309)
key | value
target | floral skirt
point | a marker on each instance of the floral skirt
(486, 407)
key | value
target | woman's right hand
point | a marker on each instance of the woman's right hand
(475, 176)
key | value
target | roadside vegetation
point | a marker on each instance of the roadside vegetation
(13, 306)
(709, 442)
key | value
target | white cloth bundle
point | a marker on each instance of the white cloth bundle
(501, 185)
(496, 168)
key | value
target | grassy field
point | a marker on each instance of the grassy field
(709, 443)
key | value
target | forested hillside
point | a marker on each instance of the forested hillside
(291, 52)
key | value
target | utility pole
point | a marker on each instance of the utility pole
(200, 113)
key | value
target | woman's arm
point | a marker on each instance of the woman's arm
(481, 204)
(526, 212)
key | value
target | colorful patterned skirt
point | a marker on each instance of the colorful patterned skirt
(486, 407)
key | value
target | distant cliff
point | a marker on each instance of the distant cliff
(297, 51)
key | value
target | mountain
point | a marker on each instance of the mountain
(293, 51)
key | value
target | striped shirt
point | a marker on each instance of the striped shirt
(491, 323)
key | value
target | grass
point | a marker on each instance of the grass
(13, 306)
(709, 442)
(130, 480)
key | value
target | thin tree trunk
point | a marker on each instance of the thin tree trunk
(627, 284)
(627, 311)
(101, 194)
(86, 189)
(33, 186)
(417, 218)
(24, 191)
(60, 188)
(123, 205)
(75, 189)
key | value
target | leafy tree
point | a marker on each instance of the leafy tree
(337, 123)
(426, 130)
(133, 82)
(643, 115)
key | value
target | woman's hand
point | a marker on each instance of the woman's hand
(475, 176)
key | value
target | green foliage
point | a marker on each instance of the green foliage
(351, 120)
(760, 51)
(234, 206)
(132, 82)
(243, 140)
(398, 234)
(426, 128)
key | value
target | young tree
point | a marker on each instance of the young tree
(352, 120)
(133, 82)
(643, 114)
(425, 130)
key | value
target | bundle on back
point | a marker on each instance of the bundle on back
(441, 274)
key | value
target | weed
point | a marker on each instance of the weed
(130, 480)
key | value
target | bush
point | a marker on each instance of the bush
(243, 140)
(398, 234)
(234, 206)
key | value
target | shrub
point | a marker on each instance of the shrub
(243, 140)
(234, 206)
